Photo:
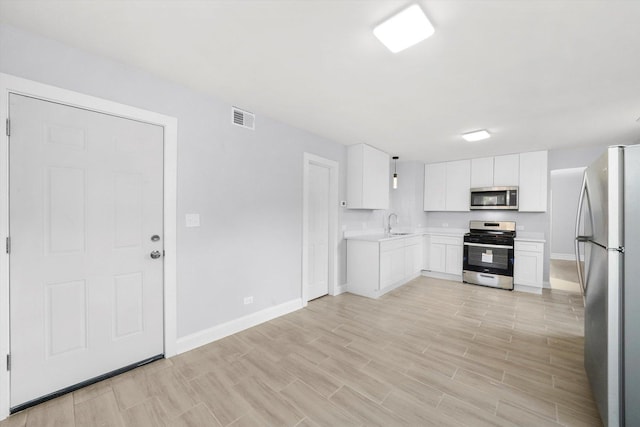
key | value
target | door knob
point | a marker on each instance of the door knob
(155, 238)
(155, 254)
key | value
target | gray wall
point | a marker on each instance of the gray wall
(246, 185)
(578, 157)
(565, 187)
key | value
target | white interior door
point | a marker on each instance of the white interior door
(86, 197)
(318, 250)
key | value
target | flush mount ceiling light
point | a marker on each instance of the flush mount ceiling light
(476, 135)
(404, 29)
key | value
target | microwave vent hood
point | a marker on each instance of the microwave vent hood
(494, 198)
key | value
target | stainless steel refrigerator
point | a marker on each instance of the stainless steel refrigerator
(608, 233)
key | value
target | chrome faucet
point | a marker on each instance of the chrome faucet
(389, 222)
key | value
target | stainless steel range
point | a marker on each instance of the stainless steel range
(488, 254)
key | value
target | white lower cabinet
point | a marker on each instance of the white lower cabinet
(426, 251)
(528, 266)
(376, 267)
(453, 263)
(413, 256)
(445, 255)
(437, 257)
(392, 265)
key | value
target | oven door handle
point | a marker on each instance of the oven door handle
(485, 245)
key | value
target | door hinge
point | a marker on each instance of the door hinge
(8, 127)
(8, 362)
(8, 245)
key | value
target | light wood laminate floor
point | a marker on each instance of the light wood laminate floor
(564, 275)
(432, 353)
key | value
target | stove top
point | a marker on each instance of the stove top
(501, 228)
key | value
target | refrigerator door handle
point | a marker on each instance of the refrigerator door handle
(580, 238)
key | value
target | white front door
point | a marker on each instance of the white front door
(86, 205)
(318, 250)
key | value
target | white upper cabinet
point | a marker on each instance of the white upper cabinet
(499, 171)
(446, 186)
(435, 190)
(506, 170)
(533, 182)
(482, 172)
(458, 185)
(367, 178)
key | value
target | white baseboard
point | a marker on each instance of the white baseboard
(217, 332)
(528, 289)
(445, 276)
(340, 289)
(566, 257)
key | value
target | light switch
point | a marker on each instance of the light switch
(192, 220)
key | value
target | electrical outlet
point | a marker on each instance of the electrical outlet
(445, 224)
(248, 300)
(520, 227)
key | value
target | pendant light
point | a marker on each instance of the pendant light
(395, 172)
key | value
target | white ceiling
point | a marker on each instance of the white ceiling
(536, 74)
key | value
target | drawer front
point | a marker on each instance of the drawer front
(529, 246)
(446, 240)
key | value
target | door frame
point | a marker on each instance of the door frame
(15, 85)
(308, 160)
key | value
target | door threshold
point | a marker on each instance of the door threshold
(82, 384)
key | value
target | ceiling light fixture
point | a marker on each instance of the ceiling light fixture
(404, 29)
(476, 135)
(395, 172)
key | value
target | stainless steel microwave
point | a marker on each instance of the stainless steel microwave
(505, 198)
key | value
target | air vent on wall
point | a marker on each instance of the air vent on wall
(243, 118)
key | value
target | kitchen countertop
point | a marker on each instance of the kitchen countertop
(527, 236)
(381, 237)
(377, 235)
(444, 231)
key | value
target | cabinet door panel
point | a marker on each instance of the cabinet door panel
(412, 260)
(385, 271)
(527, 269)
(453, 259)
(506, 170)
(437, 257)
(426, 246)
(434, 187)
(458, 180)
(533, 182)
(375, 186)
(397, 265)
(482, 172)
(367, 178)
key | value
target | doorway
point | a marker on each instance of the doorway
(63, 191)
(320, 218)
(565, 191)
